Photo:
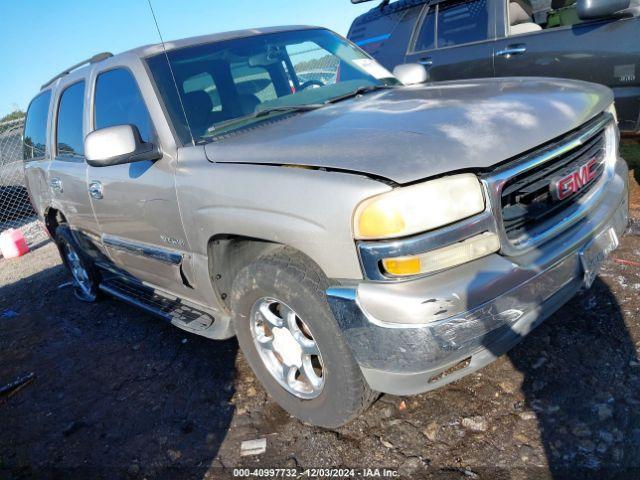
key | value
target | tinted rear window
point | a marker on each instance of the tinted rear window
(118, 102)
(35, 128)
(69, 137)
(462, 22)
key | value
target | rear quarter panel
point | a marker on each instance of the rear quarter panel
(36, 173)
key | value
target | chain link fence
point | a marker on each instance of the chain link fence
(15, 208)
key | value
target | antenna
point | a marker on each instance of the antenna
(164, 49)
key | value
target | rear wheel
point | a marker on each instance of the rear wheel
(292, 342)
(84, 275)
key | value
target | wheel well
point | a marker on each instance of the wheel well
(52, 219)
(228, 254)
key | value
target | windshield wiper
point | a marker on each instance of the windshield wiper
(359, 91)
(265, 113)
(289, 108)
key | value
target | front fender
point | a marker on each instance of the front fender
(309, 210)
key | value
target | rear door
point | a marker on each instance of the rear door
(603, 51)
(68, 171)
(454, 40)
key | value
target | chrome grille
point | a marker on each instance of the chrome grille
(526, 199)
(520, 191)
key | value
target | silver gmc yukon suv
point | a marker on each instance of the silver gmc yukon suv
(358, 231)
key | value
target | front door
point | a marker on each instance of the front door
(136, 204)
(556, 43)
(454, 40)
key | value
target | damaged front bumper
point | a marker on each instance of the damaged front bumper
(414, 336)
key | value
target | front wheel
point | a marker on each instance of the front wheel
(84, 275)
(292, 342)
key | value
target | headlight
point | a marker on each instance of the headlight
(612, 110)
(419, 208)
(443, 258)
(612, 138)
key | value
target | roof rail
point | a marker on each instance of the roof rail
(95, 59)
(383, 4)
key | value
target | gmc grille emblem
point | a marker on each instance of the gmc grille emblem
(573, 182)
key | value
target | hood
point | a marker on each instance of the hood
(412, 133)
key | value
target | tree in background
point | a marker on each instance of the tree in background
(15, 115)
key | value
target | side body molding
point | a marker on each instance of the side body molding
(162, 255)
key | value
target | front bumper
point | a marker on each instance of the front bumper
(469, 315)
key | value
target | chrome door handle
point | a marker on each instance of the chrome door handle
(512, 50)
(427, 62)
(95, 190)
(56, 184)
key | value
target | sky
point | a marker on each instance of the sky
(40, 38)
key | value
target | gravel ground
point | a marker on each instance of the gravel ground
(118, 393)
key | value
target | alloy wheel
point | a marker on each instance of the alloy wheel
(81, 278)
(287, 348)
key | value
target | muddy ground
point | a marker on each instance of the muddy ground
(120, 394)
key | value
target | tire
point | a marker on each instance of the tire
(288, 277)
(84, 274)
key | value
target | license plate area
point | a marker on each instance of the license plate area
(595, 253)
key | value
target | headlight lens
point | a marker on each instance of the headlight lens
(419, 208)
(443, 258)
(612, 137)
(612, 110)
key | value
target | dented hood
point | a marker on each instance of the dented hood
(411, 133)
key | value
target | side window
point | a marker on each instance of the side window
(118, 102)
(35, 128)
(69, 137)
(426, 38)
(547, 14)
(462, 22)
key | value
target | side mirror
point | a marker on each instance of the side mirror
(411, 73)
(118, 145)
(594, 9)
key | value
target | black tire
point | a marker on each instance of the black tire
(290, 277)
(66, 243)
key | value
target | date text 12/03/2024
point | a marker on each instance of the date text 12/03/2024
(316, 472)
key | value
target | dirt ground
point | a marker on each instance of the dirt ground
(118, 393)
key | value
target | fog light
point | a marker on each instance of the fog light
(443, 258)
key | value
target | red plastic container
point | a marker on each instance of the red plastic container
(13, 244)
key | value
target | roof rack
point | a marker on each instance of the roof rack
(383, 4)
(95, 59)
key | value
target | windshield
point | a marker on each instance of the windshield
(224, 86)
